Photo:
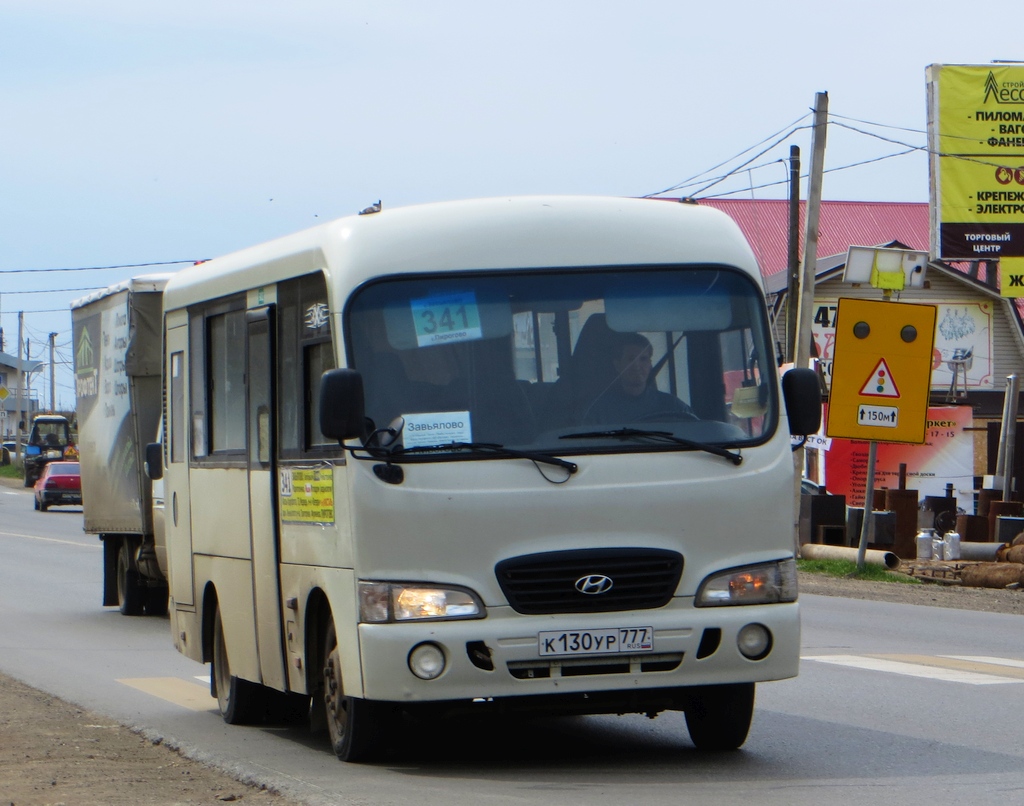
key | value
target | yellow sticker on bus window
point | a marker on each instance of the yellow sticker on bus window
(306, 495)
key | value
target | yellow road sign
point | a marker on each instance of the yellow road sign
(881, 371)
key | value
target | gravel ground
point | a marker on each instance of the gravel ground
(927, 593)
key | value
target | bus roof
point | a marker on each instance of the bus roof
(512, 232)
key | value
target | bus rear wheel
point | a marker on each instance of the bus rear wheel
(238, 700)
(718, 717)
(357, 727)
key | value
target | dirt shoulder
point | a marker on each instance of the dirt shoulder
(53, 752)
(931, 594)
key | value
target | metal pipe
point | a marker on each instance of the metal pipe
(867, 530)
(817, 551)
(1010, 426)
(980, 552)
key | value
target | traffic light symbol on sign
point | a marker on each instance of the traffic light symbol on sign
(880, 382)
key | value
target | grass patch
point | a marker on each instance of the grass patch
(848, 570)
(11, 471)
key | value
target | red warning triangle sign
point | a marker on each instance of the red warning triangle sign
(880, 383)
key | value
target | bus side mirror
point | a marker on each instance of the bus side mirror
(341, 405)
(802, 393)
(155, 461)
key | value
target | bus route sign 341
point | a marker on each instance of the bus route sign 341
(881, 371)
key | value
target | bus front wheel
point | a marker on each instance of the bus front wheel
(357, 727)
(718, 717)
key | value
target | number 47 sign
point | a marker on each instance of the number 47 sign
(881, 371)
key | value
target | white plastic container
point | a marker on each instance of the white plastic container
(951, 546)
(938, 548)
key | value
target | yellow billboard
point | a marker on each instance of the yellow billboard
(976, 143)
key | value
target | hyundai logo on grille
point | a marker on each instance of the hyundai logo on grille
(594, 584)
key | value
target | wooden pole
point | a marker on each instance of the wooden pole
(793, 294)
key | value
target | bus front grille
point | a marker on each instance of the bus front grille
(590, 580)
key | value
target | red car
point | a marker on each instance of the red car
(59, 485)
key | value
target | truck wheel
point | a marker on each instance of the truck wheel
(29, 481)
(357, 727)
(131, 592)
(239, 701)
(718, 717)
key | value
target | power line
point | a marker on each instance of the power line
(805, 176)
(99, 268)
(55, 290)
(790, 129)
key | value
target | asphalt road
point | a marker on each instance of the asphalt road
(894, 704)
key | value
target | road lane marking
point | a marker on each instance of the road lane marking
(174, 690)
(53, 540)
(925, 666)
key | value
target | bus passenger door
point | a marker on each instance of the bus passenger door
(263, 528)
(177, 511)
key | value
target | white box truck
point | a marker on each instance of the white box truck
(117, 349)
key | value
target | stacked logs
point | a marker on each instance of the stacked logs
(1007, 573)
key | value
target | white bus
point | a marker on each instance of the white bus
(517, 453)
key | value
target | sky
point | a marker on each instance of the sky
(143, 133)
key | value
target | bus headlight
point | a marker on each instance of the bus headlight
(766, 583)
(392, 601)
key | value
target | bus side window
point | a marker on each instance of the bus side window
(226, 379)
(177, 408)
(304, 353)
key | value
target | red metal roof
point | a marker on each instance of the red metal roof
(765, 223)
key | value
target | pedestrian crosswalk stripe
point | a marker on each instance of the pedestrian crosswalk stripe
(1016, 664)
(970, 670)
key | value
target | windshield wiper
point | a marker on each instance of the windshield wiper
(492, 448)
(666, 437)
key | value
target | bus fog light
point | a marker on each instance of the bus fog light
(754, 641)
(426, 661)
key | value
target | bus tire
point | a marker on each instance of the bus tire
(357, 727)
(238, 700)
(718, 717)
(131, 590)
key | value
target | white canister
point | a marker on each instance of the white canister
(924, 544)
(951, 546)
(938, 549)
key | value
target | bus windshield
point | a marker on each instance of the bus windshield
(566, 361)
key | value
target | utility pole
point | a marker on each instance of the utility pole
(802, 353)
(53, 396)
(793, 294)
(21, 377)
(806, 308)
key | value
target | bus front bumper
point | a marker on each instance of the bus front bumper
(508, 655)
